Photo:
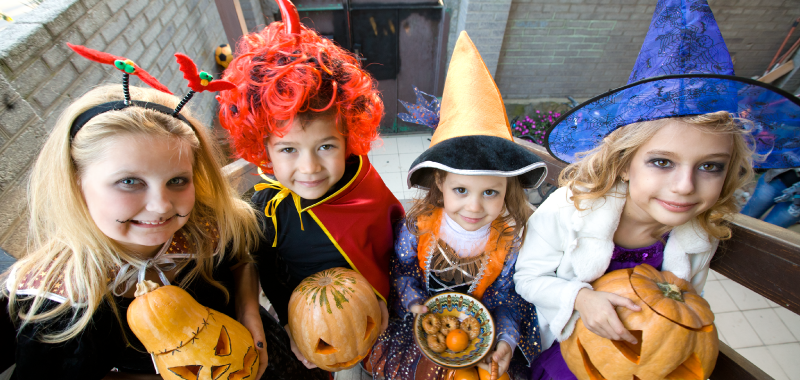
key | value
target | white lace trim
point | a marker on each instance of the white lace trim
(465, 243)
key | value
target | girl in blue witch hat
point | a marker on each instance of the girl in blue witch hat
(654, 165)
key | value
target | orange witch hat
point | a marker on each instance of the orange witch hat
(473, 136)
(471, 103)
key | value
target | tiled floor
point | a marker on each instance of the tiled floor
(393, 156)
(765, 333)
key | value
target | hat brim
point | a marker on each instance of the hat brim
(774, 112)
(479, 155)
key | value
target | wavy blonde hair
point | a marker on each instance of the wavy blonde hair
(598, 170)
(63, 238)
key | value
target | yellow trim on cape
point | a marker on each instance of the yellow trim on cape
(270, 210)
(336, 244)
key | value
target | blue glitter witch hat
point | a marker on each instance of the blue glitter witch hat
(684, 69)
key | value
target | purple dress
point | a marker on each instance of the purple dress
(550, 365)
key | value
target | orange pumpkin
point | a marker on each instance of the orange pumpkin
(334, 318)
(188, 340)
(675, 331)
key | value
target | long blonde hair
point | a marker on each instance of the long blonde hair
(63, 238)
(598, 170)
(515, 202)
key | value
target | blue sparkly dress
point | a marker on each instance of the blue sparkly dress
(415, 277)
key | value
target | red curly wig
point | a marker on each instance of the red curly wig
(279, 76)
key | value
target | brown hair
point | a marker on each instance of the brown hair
(515, 202)
(599, 169)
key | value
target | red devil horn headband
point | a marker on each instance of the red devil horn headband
(291, 19)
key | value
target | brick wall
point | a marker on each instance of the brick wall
(555, 48)
(39, 75)
(484, 21)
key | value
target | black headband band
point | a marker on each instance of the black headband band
(87, 115)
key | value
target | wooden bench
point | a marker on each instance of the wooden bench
(762, 257)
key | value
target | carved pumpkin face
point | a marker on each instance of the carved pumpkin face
(675, 330)
(334, 318)
(189, 341)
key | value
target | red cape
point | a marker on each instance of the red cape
(359, 219)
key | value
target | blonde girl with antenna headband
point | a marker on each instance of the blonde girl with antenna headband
(125, 183)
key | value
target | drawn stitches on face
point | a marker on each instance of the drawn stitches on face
(191, 342)
(333, 317)
(675, 332)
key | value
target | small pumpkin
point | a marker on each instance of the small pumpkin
(187, 340)
(675, 331)
(334, 318)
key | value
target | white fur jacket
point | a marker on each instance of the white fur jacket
(566, 249)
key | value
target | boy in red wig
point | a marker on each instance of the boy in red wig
(305, 111)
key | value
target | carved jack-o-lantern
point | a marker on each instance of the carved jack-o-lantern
(675, 332)
(334, 318)
(187, 340)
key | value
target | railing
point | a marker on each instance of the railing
(760, 256)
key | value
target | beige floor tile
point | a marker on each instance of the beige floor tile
(719, 300)
(426, 141)
(772, 304)
(413, 193)
(722, 337)
(763, 359)
(787, 356)
(410, 144)
(387, 145)
(393, 182)
(712, 276)
(790, 320)
(400, 196)
(744, 298)
(406, 159)
(738, 332)
(386, 163)
(769, 326)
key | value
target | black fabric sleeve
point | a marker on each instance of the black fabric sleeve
(87, 356)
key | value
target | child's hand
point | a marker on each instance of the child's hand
(384, 316)
(599, 315)
(297, 352)
(501, 355)
(418, 309)
(252, 322)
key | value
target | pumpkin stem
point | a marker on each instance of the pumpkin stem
(145, 287)
(325, 281)
(671, 291)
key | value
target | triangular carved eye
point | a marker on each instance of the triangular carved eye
(632, 352)
(594, 374)
(690, 369)
(324, 348)
(223, 343)
(218, 370)
(370, 326)
(187, 372)
(247, 368)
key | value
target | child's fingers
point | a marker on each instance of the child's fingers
(384, 316)
(622, 301)
(418, 309)
(619, 331)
